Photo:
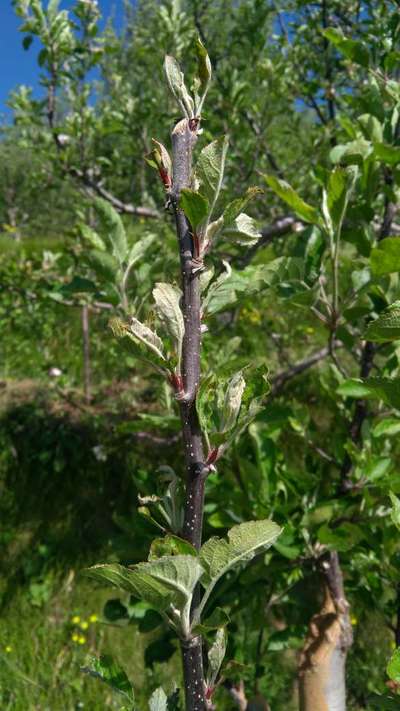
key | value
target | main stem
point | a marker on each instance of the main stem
(184, 137)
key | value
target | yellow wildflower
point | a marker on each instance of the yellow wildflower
(8, 649)
(353, 620)
(75, 637)
(93, 619)
(76, 620)
(82, 639)
(84, 625)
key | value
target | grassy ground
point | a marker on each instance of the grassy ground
(64, 507)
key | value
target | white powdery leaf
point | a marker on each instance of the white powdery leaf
(147, 336)
(246, 540)
(233, 401)
(167, 298)
(244, 230)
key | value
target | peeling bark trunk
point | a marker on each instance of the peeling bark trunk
(322, 668)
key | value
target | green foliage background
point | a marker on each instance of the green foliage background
(295, 103)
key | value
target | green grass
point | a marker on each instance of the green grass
(40, 661)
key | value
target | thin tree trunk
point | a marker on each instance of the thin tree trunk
(184, 137)
(322, 678)
(86, 352)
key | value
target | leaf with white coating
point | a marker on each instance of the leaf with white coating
(246, 540)
(210, 167)
(244, 230)
(176, 83)
(167, 298)
(233, 401)
(144, 334)
(158, 700)
(216, 656)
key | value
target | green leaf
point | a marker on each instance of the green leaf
(387, 427)
(194, 205)
(386, 389)
(352, 49)
(204, 70)
(210, 168)
(139, 249)
(115, 229)
(216, 656)
(109, 672)
(383, 703)
(342, 538)
(390, 155)
(340, 184)
(167, 298)
(246, 540)
(296, 203)
(234, 208)
(385, 257)
(92, 238)
(170, 545)
(105, 265)
(158, 700)
(387, 326)
(244, 230)
(395, 512)
(353, 387)
(393, 667)
(216, 620)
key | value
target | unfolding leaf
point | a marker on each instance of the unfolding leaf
(194, 205)
(216, 656)
(158, 700)
(109, 672)
(167, 298)
(387, 326)
(244, 230)
(146, 347)
(288, 194)
(176, 83)
(232, 401)
(215, 621)
(144, 334)
(203, 64)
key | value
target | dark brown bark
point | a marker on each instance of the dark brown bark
(184, 137)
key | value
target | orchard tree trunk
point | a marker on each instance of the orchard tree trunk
(184, 137)
(322, 669)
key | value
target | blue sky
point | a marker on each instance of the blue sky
(18, 66)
